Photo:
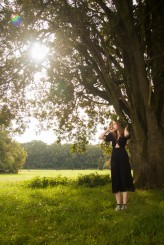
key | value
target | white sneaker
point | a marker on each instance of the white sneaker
(124, 206)
(118, 207)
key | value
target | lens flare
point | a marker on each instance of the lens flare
(16, 20)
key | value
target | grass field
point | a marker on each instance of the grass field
(69, 215)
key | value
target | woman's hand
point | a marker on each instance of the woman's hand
(108, 130)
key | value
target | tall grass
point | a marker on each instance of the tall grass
(71, 215)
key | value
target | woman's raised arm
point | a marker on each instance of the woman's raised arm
(102, 135)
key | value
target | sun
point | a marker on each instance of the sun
(38, 52)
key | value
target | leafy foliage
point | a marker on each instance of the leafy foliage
(87, 65)
(106, 147)
(88, 180)
(44, 182)
(13, 156)
(93, 180)
(5, 117)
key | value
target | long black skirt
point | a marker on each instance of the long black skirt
(121, 171)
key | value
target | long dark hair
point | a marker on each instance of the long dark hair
(120, 129)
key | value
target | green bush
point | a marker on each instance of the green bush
(89, 180)
(43, 182)
(93, 180)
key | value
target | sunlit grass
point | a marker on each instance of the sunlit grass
(77, 215)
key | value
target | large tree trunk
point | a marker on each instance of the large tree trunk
(155, 151)
(147, 147)
(147, 155)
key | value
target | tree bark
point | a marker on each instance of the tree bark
(147, 148)
(147, 154)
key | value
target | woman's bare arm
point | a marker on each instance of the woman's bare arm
(126, 132)
(102, 135)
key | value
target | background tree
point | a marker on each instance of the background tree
(56, 156)
(102, 53)
(36, 154)
(13, 156)
(101, 162)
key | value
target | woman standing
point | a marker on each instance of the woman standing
(122, 180)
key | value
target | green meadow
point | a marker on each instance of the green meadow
(76, 215)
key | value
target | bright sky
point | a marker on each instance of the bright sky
(30, 135)
(45, 136)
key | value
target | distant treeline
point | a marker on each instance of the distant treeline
(56, 156)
